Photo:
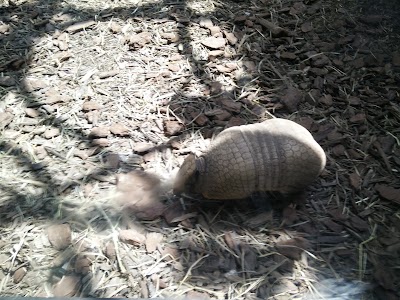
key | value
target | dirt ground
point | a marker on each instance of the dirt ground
(100, 102)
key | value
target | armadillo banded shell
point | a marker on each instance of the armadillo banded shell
(275, 155)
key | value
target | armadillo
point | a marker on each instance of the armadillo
(275, 155)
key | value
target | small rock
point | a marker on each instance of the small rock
(60, 236)
(172, 127)
(51, 133)
(119, 129)
(99, 132)
(19, 274)
(213, 42)
(153, 239)
(68, 286)
(91, 105)
(132, 237)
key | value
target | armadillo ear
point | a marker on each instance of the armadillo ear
(185, 175)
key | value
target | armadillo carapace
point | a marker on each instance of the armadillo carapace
(275, 155)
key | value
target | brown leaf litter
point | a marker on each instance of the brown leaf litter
(96, 99)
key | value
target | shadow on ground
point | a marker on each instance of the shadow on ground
(272, 65)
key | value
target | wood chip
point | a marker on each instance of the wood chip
(172, 127)
(206, 22)
(19, 274)
(132, 237)
(388, 192)
(292, 98)
(355, 180)
(51, 133)
(68, 286)
(91, 105)
(99, 132)
(32, 84)
(213, 42)
(30, 112)
(5, 119)
(119, 129)
(110, 251)
(60, 236)
(153, 240)
(7, 81)
(82, 265)
(232, 39)
(292, 248)
(142, 147)
(139, 193)
(80, 26)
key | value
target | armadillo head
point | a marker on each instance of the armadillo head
(186, 179)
